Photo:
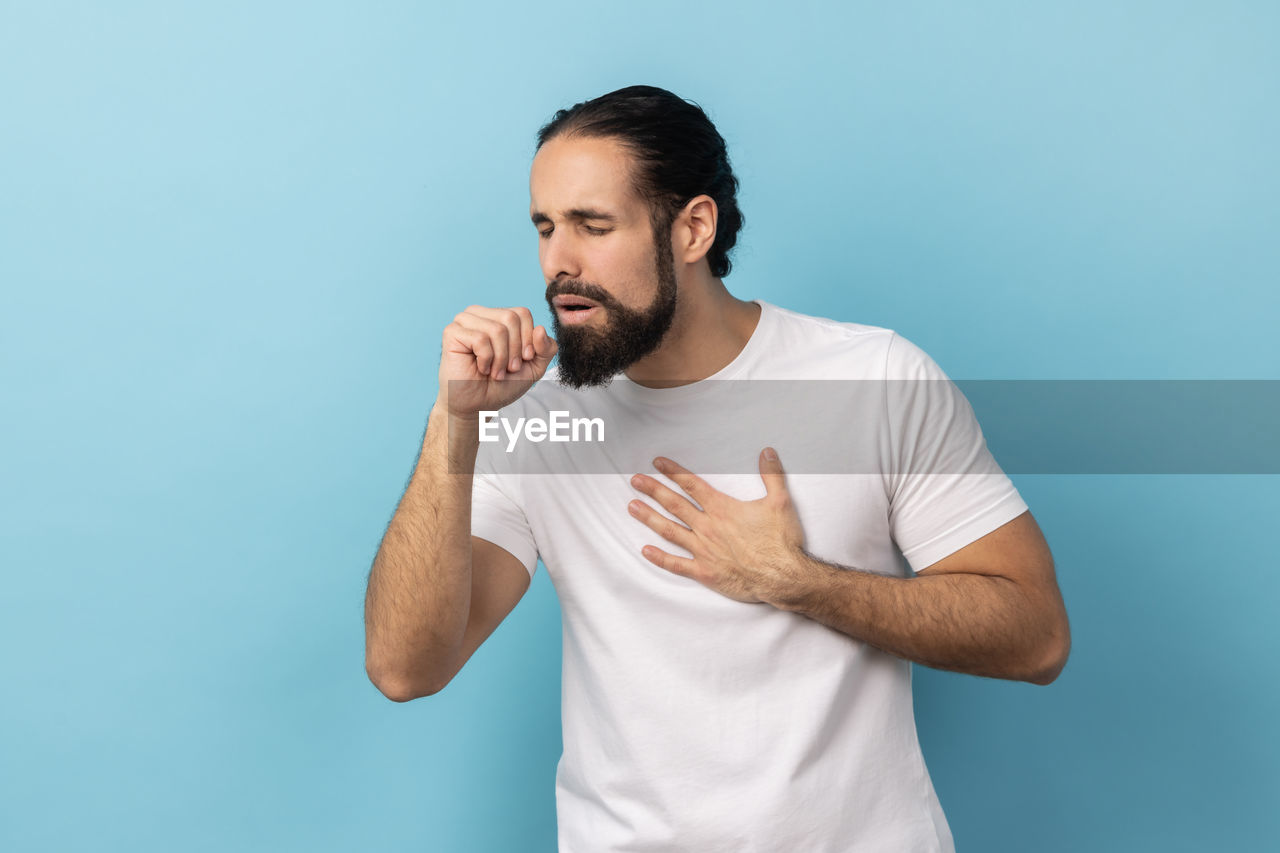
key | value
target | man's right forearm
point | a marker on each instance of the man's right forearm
(419, 594)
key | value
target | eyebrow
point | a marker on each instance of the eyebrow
(539, 217)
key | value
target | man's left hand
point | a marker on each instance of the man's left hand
(746, 550)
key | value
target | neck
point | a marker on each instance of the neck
(709, 329)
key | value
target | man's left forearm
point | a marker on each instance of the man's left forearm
(972, 623)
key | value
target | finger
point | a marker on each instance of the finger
(693, 485)
(525, 316)
(515, 337)
(545, 349)
(478, 344)
(672, 531)
(499, 339)
(682, 566)
(775, 479)
(669, 530)
(510, 320)
(676, 504)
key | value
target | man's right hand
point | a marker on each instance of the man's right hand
(501, 354)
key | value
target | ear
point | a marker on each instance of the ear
(696, 229)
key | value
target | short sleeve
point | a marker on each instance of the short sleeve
(496, 515)
(945, 488)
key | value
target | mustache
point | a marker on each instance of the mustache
(584, 289)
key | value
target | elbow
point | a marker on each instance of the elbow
(1053, 657)
(399, 688)
(398, 691)
(1045, 677)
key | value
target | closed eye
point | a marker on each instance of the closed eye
(596, 231)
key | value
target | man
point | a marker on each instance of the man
(737, 648)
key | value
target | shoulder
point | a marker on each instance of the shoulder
(789, 322)
(883, 351)
(794, 331)
(904, 359)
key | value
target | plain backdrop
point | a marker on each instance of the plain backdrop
(231, 235)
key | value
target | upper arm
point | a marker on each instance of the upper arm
(498, 582)
(1018, 552)
(1016, 549)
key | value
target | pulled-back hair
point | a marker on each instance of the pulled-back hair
(677, 152)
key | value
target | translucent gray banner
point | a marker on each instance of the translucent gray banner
(891, 427)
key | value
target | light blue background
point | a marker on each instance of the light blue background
(230, 237)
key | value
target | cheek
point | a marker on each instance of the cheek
(626, 271)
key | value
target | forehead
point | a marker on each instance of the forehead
(572, 175)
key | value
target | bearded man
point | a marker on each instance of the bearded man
(738, 636)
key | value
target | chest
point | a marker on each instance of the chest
(591, 545)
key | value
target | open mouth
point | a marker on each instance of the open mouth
(574, 309)
(573, 303)
(573, 313)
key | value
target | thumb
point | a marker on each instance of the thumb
(775, 479)
(544, 349)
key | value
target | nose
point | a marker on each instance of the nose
(558, 256)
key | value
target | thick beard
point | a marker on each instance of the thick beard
(592, 357)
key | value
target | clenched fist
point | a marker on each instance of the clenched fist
(499, 351)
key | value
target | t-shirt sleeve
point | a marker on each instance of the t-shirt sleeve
(496, 515)
(946, 489)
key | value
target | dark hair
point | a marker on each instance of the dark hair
(678, 154)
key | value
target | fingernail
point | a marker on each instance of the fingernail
(528, 353)
(771, 454)
(515, 365)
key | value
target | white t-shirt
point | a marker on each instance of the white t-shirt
(696, 722)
